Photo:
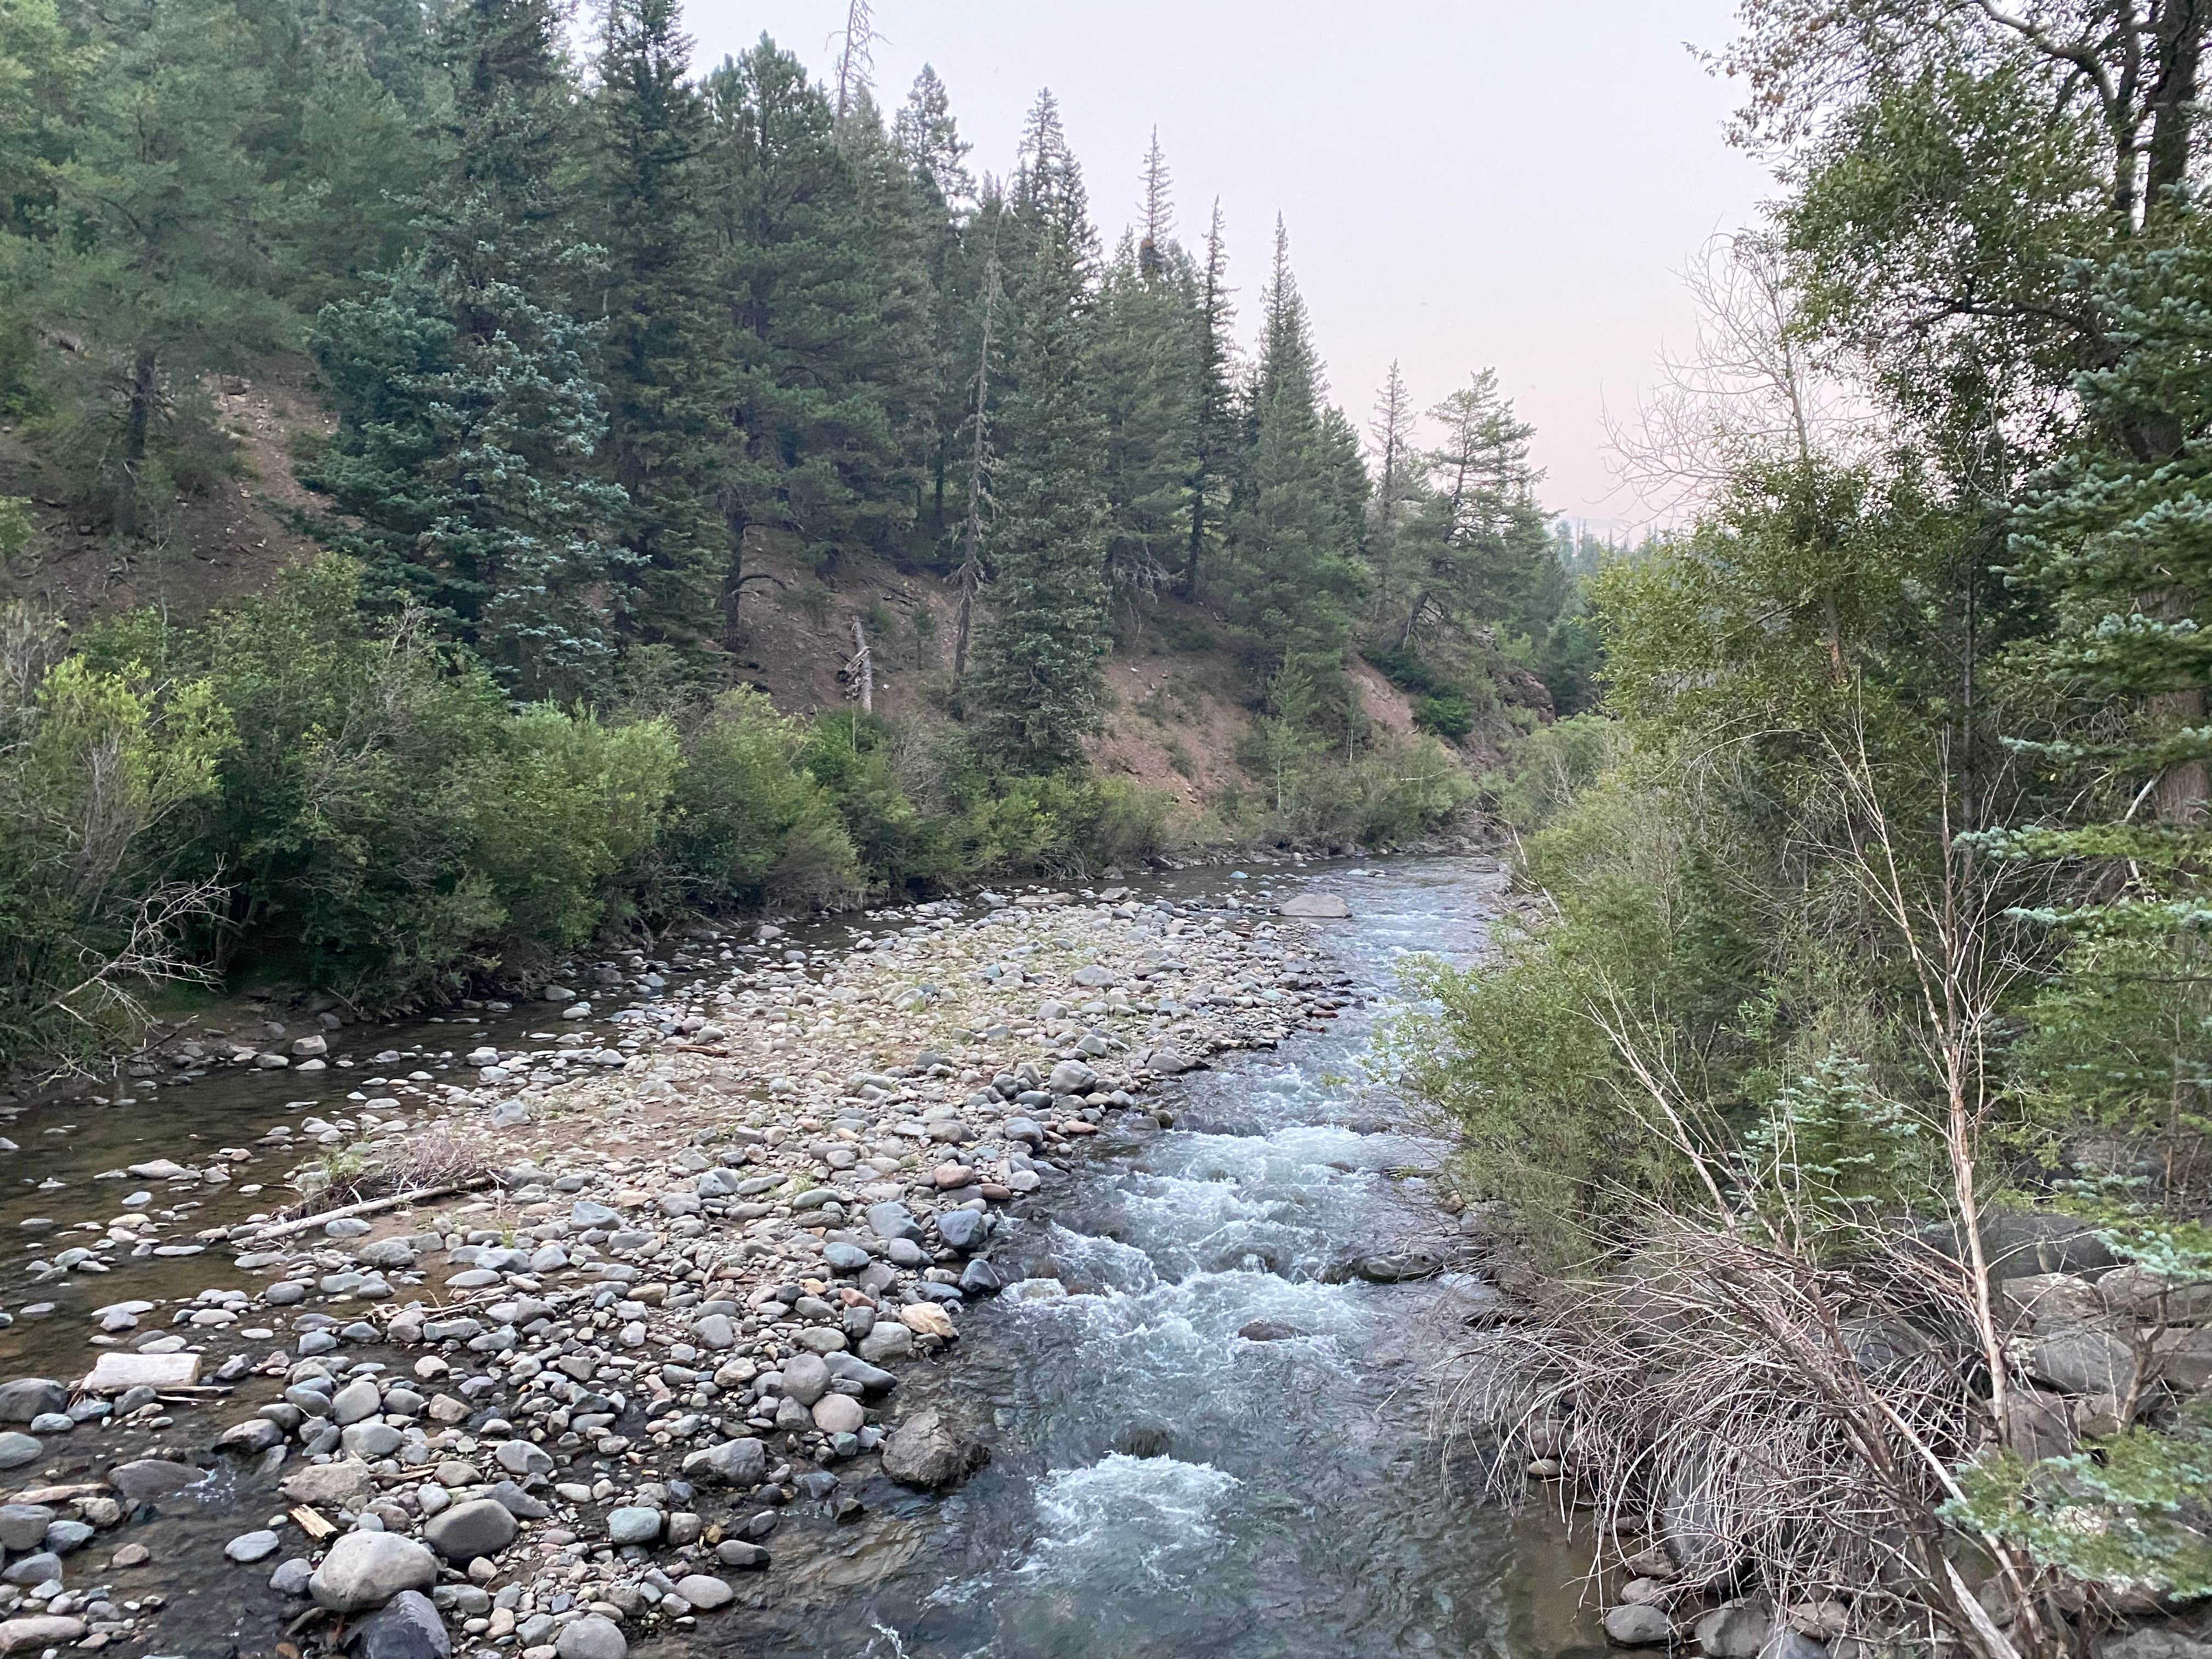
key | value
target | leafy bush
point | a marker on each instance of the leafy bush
(1448, 715)
(750, 825)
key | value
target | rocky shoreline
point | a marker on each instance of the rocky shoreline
(646, 1295)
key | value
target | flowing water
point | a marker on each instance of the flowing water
(1161, 1485)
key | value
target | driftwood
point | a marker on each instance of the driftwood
(276, 1229)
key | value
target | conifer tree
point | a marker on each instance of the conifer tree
(1399, 485)
(468, 415)
(659, 355)
(160, 263)
(1484, 537)
(927, 140)
(983, 464)
(1037, 684)
(1145, 326)
(1292, 549)
(1213, 419)
(819, 321)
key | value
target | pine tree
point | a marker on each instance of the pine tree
(1037, 685)
(1145, 332)
(468, 415)
(659, 357)
(1399, 485)
(1213, 419)
(1292, 549)
(161, 265)
(927, 140)
(1483, 535)
(821, 294)
(982, 465)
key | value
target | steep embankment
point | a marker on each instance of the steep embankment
(1180, 708)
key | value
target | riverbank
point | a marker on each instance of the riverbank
(572, 1400)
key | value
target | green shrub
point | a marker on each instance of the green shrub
(751, 825)
(1447, 715)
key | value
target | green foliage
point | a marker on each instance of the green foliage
(1546, 770)
(2122, 1515)
(750, 825)
(1450, 715)
(1830, 1148)
(94, 761)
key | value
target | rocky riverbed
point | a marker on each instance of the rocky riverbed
(656, 1287)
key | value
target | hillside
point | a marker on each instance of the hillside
(1178, 707)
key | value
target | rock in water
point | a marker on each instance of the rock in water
(926, 1451)
(27, 1397)
(151, 1478)
(1314, 906)
(365, 1569)
(1637, 1626)
(407, 1628)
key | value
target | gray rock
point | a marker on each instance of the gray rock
(592, 1636)
(2084, 1359)
(846, 1258)
(805, 1378)
(33, 1569)
(887, 1340)
(251, 1546)
(839, 1414)
(2160, 1642)
(963, 1230)
(406, 1627)
(705, 1595)
(1735, 1630)
(736, 1552)
(27, 1397)
(17, 1449)
(1072, 1077)
(742, 1463)
(67, 1537)
(370, 1441)
(1787, 1644)
(356, 1401)
(365, 1569)
(891, 1220)
(520, 1457)
(1637, 1627)
(633, 1524)
(1314, 906)
(517, 1502)
(482, 1526)
(291, 1576)
(150, 1478)
(23, 1526)
(926, 1451)
(716, 1331)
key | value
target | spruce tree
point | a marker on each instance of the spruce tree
(658, 352)
(928, 141)
(1400, 486)
(1036, 688)
(820, 322)
(1213, 412)
(1483, 538)
(1294, 532)
(162, 263)
(468, 415)
(1146, 328)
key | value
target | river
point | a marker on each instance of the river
(1160, 1484)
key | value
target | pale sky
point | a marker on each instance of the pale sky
(1466, 184)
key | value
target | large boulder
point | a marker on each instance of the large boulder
(1735, 1630)
(46, 1630)
(926, 1451)
(2084, 1359)
(365, 1569)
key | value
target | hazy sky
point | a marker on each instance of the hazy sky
(1469, 184)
